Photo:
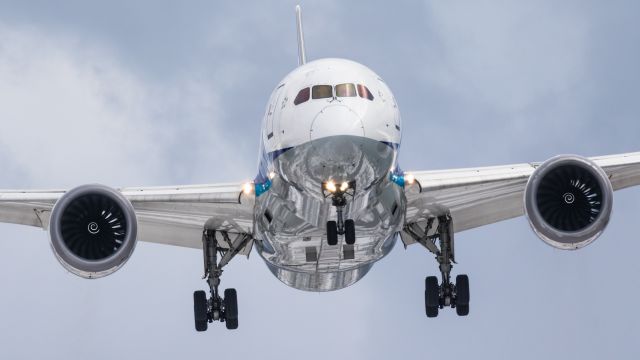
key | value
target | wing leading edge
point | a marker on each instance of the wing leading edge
(173, 215)
(176, 215)
(481, 196)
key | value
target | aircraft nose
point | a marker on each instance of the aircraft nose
(336, 135)
(336, 120)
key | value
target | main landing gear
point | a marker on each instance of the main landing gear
(346, 227)
(446, 294)
(217, 308)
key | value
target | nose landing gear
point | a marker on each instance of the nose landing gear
(339, 200)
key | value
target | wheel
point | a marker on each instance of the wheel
(349, 232)
(462, 295)
(462, 290)
(431, 296)
(230, 304)
(200, 310)
(231, 324)
(332, 233)
(231, 308)
(462, 310)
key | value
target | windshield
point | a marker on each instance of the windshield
(322, 92)
(364, 92)
(302, 96)
(345, 90)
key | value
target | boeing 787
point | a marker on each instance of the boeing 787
(329, 199)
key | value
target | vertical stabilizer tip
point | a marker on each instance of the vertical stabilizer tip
(302, 57)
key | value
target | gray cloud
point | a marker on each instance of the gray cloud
(84, 116)
(177, 93)
(73, 108)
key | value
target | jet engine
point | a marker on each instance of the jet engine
(568, 201)
(93, 230)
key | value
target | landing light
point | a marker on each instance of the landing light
(344, 186)
(272, 175)
(330, 186)
(409, 179)
(247, 188)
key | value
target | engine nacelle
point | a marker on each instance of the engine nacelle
(568, 201)
(93, 230)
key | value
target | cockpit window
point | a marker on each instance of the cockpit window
(322, 91)
(302, 96)
(364, 92)
(345, 90)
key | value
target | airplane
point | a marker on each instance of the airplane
(329, 199)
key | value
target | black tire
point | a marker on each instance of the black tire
(462, 310)
(349, 232)
(231, 308)
(231, 324)
(231, 304)
(332, 233)
(431, 296)
(200, 310)
(462, 290)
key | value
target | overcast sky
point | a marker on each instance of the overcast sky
(157, 93)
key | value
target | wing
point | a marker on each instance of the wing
(174, 215)
(481, 196)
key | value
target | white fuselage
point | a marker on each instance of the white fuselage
(330, 119)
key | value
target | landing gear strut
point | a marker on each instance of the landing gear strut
(217, 308)
(347, 227)
(446, 294)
